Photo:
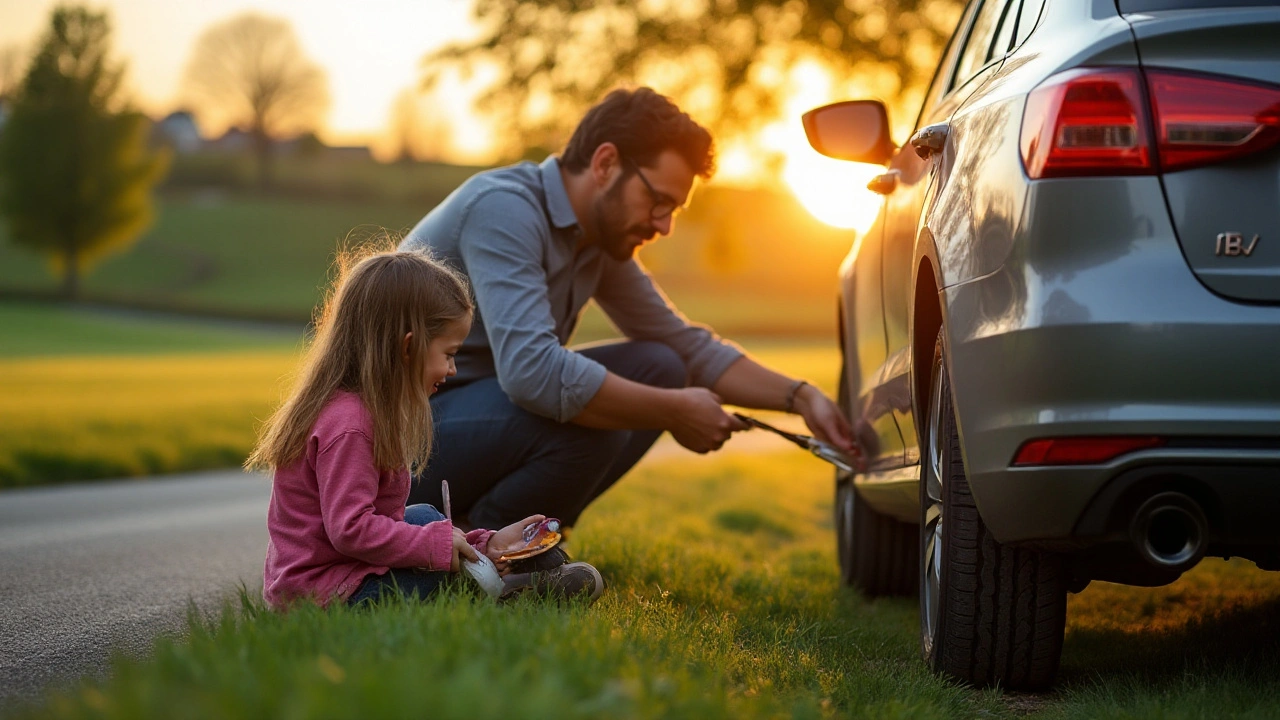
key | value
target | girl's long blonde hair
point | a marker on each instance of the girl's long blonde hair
(359, 347)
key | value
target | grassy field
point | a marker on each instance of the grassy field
(746, 261)
(723, 602)
(31, 330)
(97, 394)
(103, 394)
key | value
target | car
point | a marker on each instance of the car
(1061, 337)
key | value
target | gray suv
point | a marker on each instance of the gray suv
(1061, 338)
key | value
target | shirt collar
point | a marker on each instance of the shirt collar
(558, 207)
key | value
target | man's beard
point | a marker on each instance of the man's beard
(614, 237)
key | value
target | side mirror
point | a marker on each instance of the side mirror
(856, 130)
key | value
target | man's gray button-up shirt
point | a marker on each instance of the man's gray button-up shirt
(514, 234)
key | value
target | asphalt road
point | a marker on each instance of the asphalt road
(86, 570)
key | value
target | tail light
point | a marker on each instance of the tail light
(1081, 450)
(1202, 120)
(1087, 122)
(1098, 121)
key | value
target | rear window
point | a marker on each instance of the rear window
(1141, 6)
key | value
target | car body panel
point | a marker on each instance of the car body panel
(863, 328)
(967, 228)
(1061, 341)
(1239, 197)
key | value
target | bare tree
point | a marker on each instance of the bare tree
(252, 71)
(403, 127)
(415, 130)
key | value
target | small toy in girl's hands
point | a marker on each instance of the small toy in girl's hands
(485, 574)
(538, 538)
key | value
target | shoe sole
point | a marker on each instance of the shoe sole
(599, 583)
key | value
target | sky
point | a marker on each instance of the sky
(370, 50)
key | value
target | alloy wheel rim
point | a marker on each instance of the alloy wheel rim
(931, 533)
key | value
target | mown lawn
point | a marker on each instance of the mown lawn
(746, 262)
(32, 330)
(104, 416)
(88, 394)
(723, 602)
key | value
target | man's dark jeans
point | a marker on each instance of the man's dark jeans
(504, 463)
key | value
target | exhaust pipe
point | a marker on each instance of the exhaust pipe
(1170, 531)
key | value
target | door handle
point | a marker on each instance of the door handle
(929, 140)
(884, 184)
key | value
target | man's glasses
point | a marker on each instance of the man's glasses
(663, 205)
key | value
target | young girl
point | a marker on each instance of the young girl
(342, 444)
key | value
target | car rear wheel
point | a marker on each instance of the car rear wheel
(878, 554)
(989, 614)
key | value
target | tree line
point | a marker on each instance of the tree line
(77, 173)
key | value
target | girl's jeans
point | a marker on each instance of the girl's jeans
(411, 582)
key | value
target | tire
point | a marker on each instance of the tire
(989, 614)
(878, 554)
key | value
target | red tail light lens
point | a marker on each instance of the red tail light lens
(1080, 450)
(1203, 120)
(1094, 121)
(1089, 121)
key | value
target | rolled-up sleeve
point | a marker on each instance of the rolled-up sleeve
(502, 236)
(628, 295)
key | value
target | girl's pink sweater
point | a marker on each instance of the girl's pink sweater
(335, 519)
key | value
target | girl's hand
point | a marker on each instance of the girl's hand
(461, 550)
(506, 538)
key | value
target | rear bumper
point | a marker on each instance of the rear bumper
(1077, 335)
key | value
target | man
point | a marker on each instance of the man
(528, 425)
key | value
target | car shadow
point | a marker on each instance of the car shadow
(1238, 643)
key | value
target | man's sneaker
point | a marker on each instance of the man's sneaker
(571, 580)
(549, 560)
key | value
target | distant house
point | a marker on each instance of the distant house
(234, 140)
(4, 112)
(349, 152)
(179, 131)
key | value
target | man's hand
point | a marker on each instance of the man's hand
(507, 538)
(824, 418)
(461, 550)
(700, 424)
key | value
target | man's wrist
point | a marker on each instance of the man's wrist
(807, 396)
(793, 395)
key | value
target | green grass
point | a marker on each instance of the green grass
(698, 622)
(711, 612)
(746, 262)
(88, 395)
(34, 330)
(86, 417)
(233, 254)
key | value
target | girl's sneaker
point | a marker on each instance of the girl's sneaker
(549, 560)
(566, 582)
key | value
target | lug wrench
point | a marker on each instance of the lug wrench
(820, 449)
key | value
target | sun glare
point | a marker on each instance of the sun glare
(834, 191)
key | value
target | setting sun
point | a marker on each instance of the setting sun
(834, 191)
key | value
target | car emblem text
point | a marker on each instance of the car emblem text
(1232, 244)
